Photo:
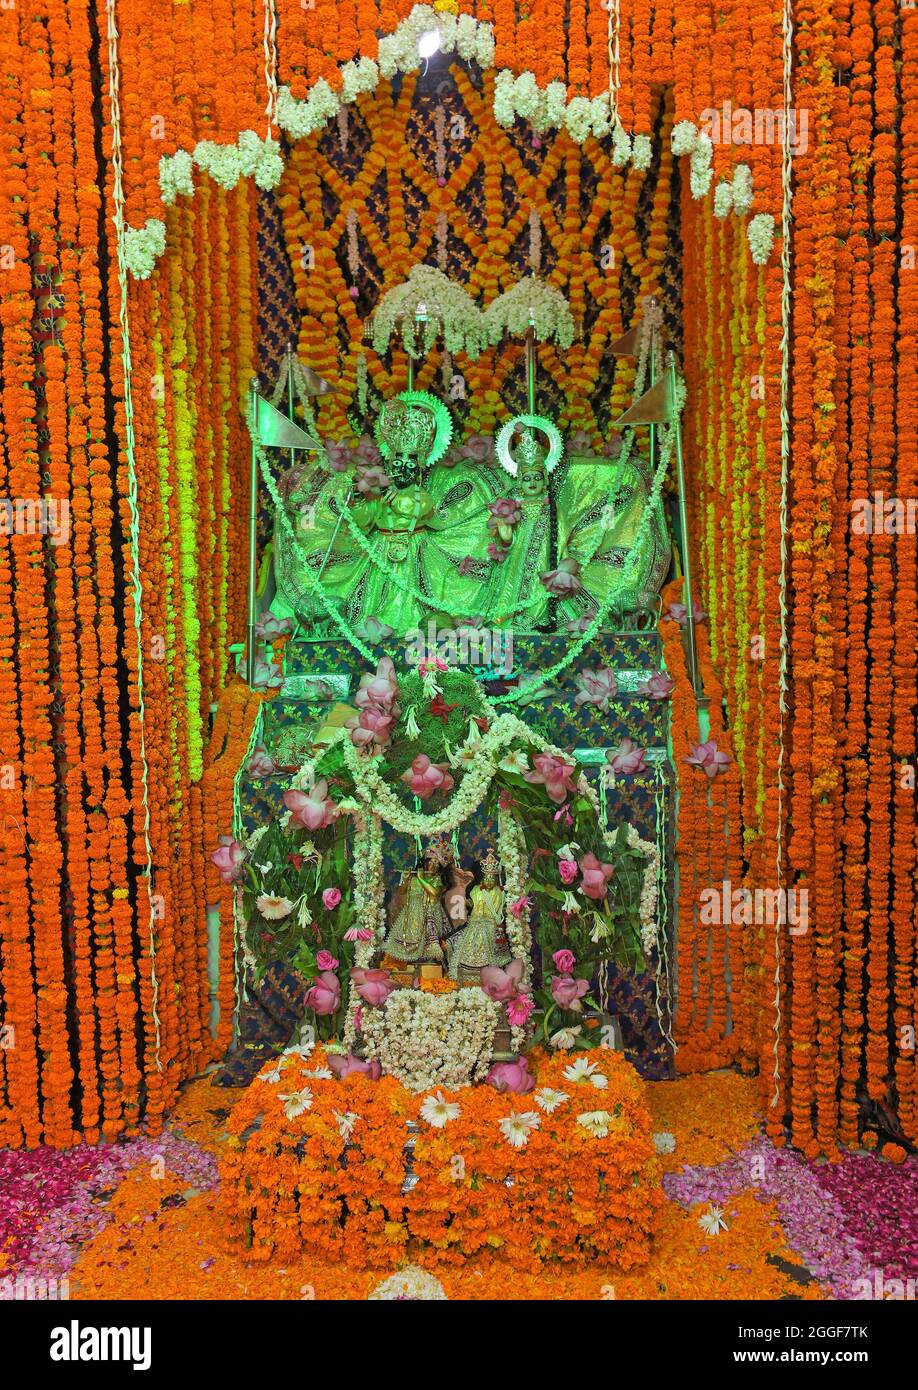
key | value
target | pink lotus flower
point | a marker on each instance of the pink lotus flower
(366, 450)
(659, 686)
(270, 628)
(424, 777)
(613, 445)
(260, 763)
(379, 690)
(518, 1010)
(467, 565)
(324, 994)
(595, 876)
(370, 726)
(596, 688)
(567, 868)
(331, 898)
(627, 758)
(555, 773)
(564, 960)
(497, 553)
(268, 675)
(358, 934)
(326, 961)
(580, 443)
(514, 1077)
(580, 624)
(567, 992)
(350, 1065)
(502, 985)
(372, 481)
(477, 447)
(338, 454)
(229, 859)
(312, 810)
(373, 986)
(373, 630)
(519, 905)
(563, 581)
(506, 509)
(679, 612)
(709, 758)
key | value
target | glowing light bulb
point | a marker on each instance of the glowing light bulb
(429, 43)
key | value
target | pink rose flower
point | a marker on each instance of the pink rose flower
(596, 688)
(627, 758)
(567, 992)
(349, 1065)
(519, 905)
(659, 686)
(373, 986)
(260, 763)
(324, 994)
(512, 1076)
(555, 773)
(595, 876)
(424, 777)
(312, 810)
(518, 1010)
(326, 961)
(502, 985)
(709, 758)
(564, 960)
(331, 898)
(567, 868)
(229, 859)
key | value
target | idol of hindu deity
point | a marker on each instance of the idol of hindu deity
(483, 940)
(515, 590)
(419, 923)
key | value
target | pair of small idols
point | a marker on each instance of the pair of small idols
(450, 925)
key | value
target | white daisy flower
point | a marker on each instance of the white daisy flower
(548, 1099)
(438, 1111)
(517, 1128)
(297, 1102)
(596, 1122)
(664, 1142)
(320, 1074)
(712, 1221)
(272, 1077)
(583, 1070)
(345, 1122)
(599, 1080)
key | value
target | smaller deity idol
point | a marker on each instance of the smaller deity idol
(419, 923)
(483, 941)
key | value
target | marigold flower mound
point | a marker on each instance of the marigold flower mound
(483, 1175)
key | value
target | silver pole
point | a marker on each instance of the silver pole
(687, 592)
(253, 539)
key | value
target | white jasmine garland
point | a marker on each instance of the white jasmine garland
(761, 235)
(526, 95)
(742, 189)
(410, 1283)
(622, 148)
(531, 299)
(700, 171)
(450, 310)
(433, 1040)
(143, 246)
(222, 162)
(578, 119)
(641, 152)
(684, 135)
(176, 176)
(504, 110)
(723, 199)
